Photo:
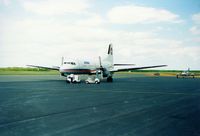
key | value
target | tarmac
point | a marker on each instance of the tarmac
(130, 106)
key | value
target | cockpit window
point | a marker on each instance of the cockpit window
(71, 63)
(86, 62)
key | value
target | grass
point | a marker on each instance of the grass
(29, 72)
(40, 71)
(26, 71)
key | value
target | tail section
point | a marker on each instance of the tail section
(110, 49)
(109, 57)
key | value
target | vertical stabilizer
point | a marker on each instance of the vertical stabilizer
(110, 49)
(109, 57)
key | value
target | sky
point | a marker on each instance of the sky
(143, 32)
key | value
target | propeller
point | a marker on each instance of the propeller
(100, 64)
(101, 69)
(62, 61)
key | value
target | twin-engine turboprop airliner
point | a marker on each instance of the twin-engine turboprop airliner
(185, 73)
(105, 67)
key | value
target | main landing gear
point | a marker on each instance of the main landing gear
(110, 79)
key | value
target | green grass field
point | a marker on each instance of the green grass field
(29, 72)
(36, 71)
(26, 71)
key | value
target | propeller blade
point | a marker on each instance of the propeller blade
(100, 62)
(62, 60)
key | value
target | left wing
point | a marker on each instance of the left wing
(136, 68)
(51, 68)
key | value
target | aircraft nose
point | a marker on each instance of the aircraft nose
(62, 68)
(65, 67)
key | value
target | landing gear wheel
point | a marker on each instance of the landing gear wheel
(109, 79)
(67, 81)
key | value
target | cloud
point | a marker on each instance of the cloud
(196, 18)
(44, 42)
(92, 21)
(196, 27)
(52, 7)
(133, 14)
(5, 2)
(195, 30)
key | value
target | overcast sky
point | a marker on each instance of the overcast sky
(143, 32)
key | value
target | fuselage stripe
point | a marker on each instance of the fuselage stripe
(77, 71)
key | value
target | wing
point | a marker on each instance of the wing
(51, 68)
(123, 64)
(136, 68)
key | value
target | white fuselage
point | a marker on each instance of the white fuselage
(83, 67)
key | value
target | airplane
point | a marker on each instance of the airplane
(185, 73)
(104, 67)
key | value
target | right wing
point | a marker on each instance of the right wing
(51, 68)
(123, 64)
(136, 68)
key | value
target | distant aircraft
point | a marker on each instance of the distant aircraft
(105, 67)
(185, 73)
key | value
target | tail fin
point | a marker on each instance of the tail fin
(188, 70)
(109, 57)
(110, 49)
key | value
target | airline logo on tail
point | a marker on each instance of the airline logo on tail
(110, 49)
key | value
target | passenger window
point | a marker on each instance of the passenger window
(71, 63)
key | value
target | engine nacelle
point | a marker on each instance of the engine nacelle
(106, 73)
